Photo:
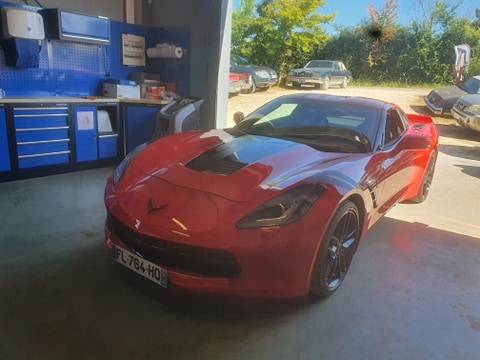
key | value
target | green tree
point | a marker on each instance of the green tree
(416, 53)
(280, 33)
(382, 29)
(242, 26)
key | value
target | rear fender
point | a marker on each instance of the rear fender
(423, 126)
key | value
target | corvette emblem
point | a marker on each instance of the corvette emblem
(151, 207)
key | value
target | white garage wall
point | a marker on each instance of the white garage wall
(207, 20)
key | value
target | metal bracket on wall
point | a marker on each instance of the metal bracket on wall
(49, 54)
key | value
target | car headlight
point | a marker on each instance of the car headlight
(284, 209)
(262, 74)
(473, 109)
(122, 167)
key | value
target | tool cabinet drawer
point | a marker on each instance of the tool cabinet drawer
(31, 111)
(45, 120)
(41, 134)
(44, 159)
(107, 146)
(39, 147)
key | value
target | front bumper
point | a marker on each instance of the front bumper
(469, 121)
(303, 80)
(236, 87)
(433, 108)
(262, 83)
(272, 262)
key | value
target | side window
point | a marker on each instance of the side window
(336, 66)
(394, 127)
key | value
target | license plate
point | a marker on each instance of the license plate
(141, 266)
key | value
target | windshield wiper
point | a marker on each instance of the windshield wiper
(348, 135)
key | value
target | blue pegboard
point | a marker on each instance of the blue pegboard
(77, 69)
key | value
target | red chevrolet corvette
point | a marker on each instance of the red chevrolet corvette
(273, 207)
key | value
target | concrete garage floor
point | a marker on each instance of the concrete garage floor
(413, 291)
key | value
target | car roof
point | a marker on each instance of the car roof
(346, 100)
(323, 60)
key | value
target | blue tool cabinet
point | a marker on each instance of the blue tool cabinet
(41, 135)
(49, 138)
(66, 25)
(107, 146)
(139, 122)
(4, 152)
(92, 145)
(85, 119)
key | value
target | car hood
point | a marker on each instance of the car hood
(449, 93)
(245, 168)
(320, 71)
(252, 68)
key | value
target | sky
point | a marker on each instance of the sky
(351, 12)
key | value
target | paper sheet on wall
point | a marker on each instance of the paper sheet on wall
(85, 120)
(133, 50)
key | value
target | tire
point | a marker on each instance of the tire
(426, 181)
(329, 272)
(326, 84)
(344, 83)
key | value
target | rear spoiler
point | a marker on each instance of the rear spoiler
(415, 119)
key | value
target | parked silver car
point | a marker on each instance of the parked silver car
(467, 111)
(320, 73)
(440, 101)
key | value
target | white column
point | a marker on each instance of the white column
(224, 64)
(130, 11)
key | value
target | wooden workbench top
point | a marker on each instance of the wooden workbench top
(85, 99)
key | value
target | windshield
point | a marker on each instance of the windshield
(323, 64)
(471, 86)
(238, 60)
(322, 124)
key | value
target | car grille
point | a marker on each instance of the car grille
(303, 74)
(198, 260)
(435, 99)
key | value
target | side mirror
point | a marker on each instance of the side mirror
(238, 117)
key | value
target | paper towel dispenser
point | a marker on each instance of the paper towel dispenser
(22, 24)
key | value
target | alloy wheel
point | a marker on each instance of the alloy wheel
(341, 248)
(429, 178)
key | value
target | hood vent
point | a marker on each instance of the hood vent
(212, 161)
(234, 155)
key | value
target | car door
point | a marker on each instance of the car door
(395, 162)
(344, 71)
(337, 74)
